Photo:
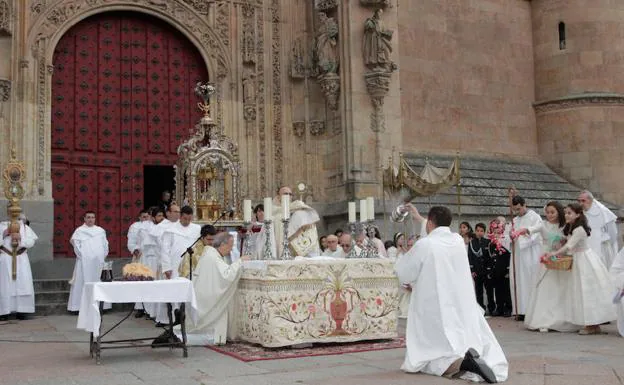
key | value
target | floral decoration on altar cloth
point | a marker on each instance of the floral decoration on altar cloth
(319, 302)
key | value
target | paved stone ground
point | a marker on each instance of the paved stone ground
(535, 358)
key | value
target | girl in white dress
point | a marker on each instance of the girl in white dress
(547, 302)
(589, 297)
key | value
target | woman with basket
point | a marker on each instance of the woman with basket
(547, 302)
(589, 296)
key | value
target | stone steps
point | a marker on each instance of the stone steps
(51, 296)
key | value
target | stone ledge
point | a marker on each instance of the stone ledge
(579, 100)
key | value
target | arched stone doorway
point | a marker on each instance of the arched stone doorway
(122, 99)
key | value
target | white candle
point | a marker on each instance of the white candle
(268, 209)
(352, 216)
(286, 206)
(247, 210)
(370, 208)
(362, 210)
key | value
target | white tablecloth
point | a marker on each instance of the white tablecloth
(173, 291)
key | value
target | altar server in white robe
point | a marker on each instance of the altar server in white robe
(91, 248)
(617, 273)
(135, 249)
(604, 234)
(177, 238)
(162, 224)
(215, 284)
(446, 334)
(16, 295)
(149, 257)
(527, 252)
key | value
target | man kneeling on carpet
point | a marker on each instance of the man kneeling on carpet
(215, 284)
(446, 334)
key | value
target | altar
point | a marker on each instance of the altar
(282, 303)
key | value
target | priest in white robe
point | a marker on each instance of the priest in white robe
(617, 274)
(177, 238)
(302, 232)
(215, 284)
(91, 248)
(527, 253)
(604, 234)
(16, 296)
(447, 334)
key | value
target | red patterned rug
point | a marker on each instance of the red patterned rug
(248, 352)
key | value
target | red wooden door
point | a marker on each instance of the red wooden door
(122, 98)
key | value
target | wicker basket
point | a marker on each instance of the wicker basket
(563, 262)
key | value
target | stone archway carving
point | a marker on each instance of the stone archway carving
(52, 19)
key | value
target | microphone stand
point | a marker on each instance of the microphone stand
(190, 251)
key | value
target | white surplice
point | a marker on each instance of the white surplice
(133, 237)
(617, 273)
(91, 248)
(547, 306)
(528, 249)
(149, 256)
(215, 284)
(603, 239)
(589, 298)
(17, 295)
(175, 240)
(444, 319)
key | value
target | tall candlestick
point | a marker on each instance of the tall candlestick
(268, 209)
(286, 206)
(352, 216)
(247, 210)
(363, 217)
(370, 208)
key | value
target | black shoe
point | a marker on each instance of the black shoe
(520, 317)
(473, 364)
(22, 316)
(496, 313)
(139, 314)
(161, 325)
(165, 338)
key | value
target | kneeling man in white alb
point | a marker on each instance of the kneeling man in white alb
(447, 334)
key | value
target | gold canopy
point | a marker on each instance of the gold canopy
(406, 181)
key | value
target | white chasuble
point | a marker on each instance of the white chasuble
(215, 284)
(16, 295)
(91, 248)
(444, 319)
(527, 252)
(302, 233)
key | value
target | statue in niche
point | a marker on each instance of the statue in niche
(249, 86)
(377, 46)
(326, 45)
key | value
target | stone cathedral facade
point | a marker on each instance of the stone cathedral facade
(95, 92)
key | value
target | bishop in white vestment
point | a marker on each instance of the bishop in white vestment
(604, 234)
(91, 248)
(527, 252)
(16, 295)
(446, 330)
(302, 232)
(215, 284)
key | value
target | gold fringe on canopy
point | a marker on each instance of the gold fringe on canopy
(428, 182)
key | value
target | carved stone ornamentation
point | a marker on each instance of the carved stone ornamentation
(377, 85)
(201, 6)
(262, 128)
(223, 22)
(325, 5)
(5, 18)
(299, 128)
(298, 62)
(37, 6)
(276, 50)
(5, 90)
(582, 100)
(248, 44)
(317, 127)
(375, 3)
(377, 46)
(249, 112)
(326, 45)
(330, 85)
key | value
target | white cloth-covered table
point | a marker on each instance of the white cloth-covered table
(165, 291)
(282, 303)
